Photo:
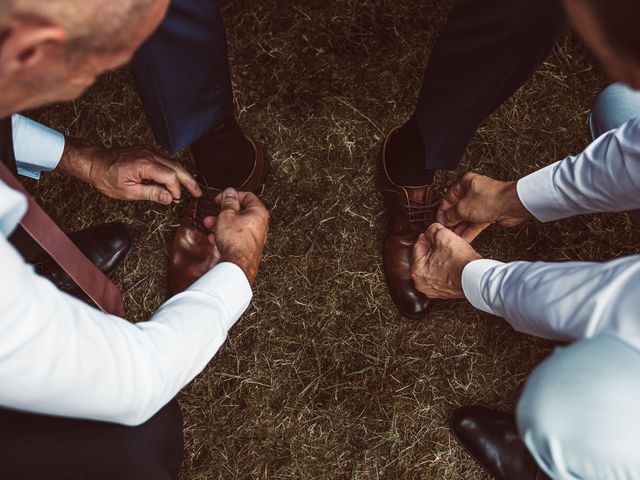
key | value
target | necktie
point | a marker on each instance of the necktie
(95, 284)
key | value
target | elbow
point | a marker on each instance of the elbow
(137, 419)
(138, 404)
(138, 415)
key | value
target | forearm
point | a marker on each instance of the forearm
(38, 148)
(100, 367)
(603, 178)
(77, 159)
(559, 301)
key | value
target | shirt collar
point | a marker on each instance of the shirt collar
(13, 206)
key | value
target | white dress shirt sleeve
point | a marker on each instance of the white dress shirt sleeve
(59, 356)
(603, 178)
(37, 148)
(560, 301)
(572, 300)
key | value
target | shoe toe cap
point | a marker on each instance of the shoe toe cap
(120, 238)
(112, 243)
(412, 303)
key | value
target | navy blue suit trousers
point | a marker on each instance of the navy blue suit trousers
(182, 74)
(488, 49)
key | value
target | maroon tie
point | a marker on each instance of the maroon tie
(57, 244)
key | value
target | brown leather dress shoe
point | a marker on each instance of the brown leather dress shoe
(492, 439)
(192, 254)
(410, 210)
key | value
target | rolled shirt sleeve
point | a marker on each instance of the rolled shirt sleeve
(571, 300)
(564, 301)
(605, 177)
(472, 276)
(37, 148)
(60, 356)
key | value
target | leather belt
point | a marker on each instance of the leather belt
(95, 284)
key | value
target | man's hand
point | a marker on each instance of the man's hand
(134, 173)
(240, 230)
(473, 202)
(439, 257)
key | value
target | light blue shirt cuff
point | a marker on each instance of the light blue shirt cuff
(37, 148)
(472, 283)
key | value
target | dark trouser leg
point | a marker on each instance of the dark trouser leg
(26, 245)
(486, 52)
(182, 75)
(38, 447)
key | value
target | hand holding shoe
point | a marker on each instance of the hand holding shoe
(240, 230)
(473, 202)
(123, 173)
(438, 259)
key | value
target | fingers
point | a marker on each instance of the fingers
(460, 228)
(229, 201)
(210, 222)
(168, 172)
(420, 261)
(434, 231)
(469, 231)
(448, 213)
(248, 201)
(472, 230)
(184, 177)
(420, 250)
(153, 193)
(450, 217)
(453, 195)
(166, 176)
(216, 253)
(438, 235)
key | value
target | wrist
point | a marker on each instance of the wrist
(76, 159)
(512, 211)
(243, 262)
(461, 267)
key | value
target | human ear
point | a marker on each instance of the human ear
(25, 46)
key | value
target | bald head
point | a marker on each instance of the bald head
(100, 24)
(52, 50)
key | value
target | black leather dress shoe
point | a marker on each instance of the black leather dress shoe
(105, 245)
(492, 439)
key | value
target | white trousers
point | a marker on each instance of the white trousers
(579, 413)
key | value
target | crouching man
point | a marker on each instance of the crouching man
(577, 417)
(84, 394)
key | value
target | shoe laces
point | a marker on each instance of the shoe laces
(416, 211)
(419, 212)
(205, 207)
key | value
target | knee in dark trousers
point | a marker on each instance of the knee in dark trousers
(37, 447)
(485, 53)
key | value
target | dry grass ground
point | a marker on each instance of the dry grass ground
(322, 378)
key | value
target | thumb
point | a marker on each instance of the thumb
(230, 201)
(421, 249)
(450, 217)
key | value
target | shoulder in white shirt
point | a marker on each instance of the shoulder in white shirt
(60, 356)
